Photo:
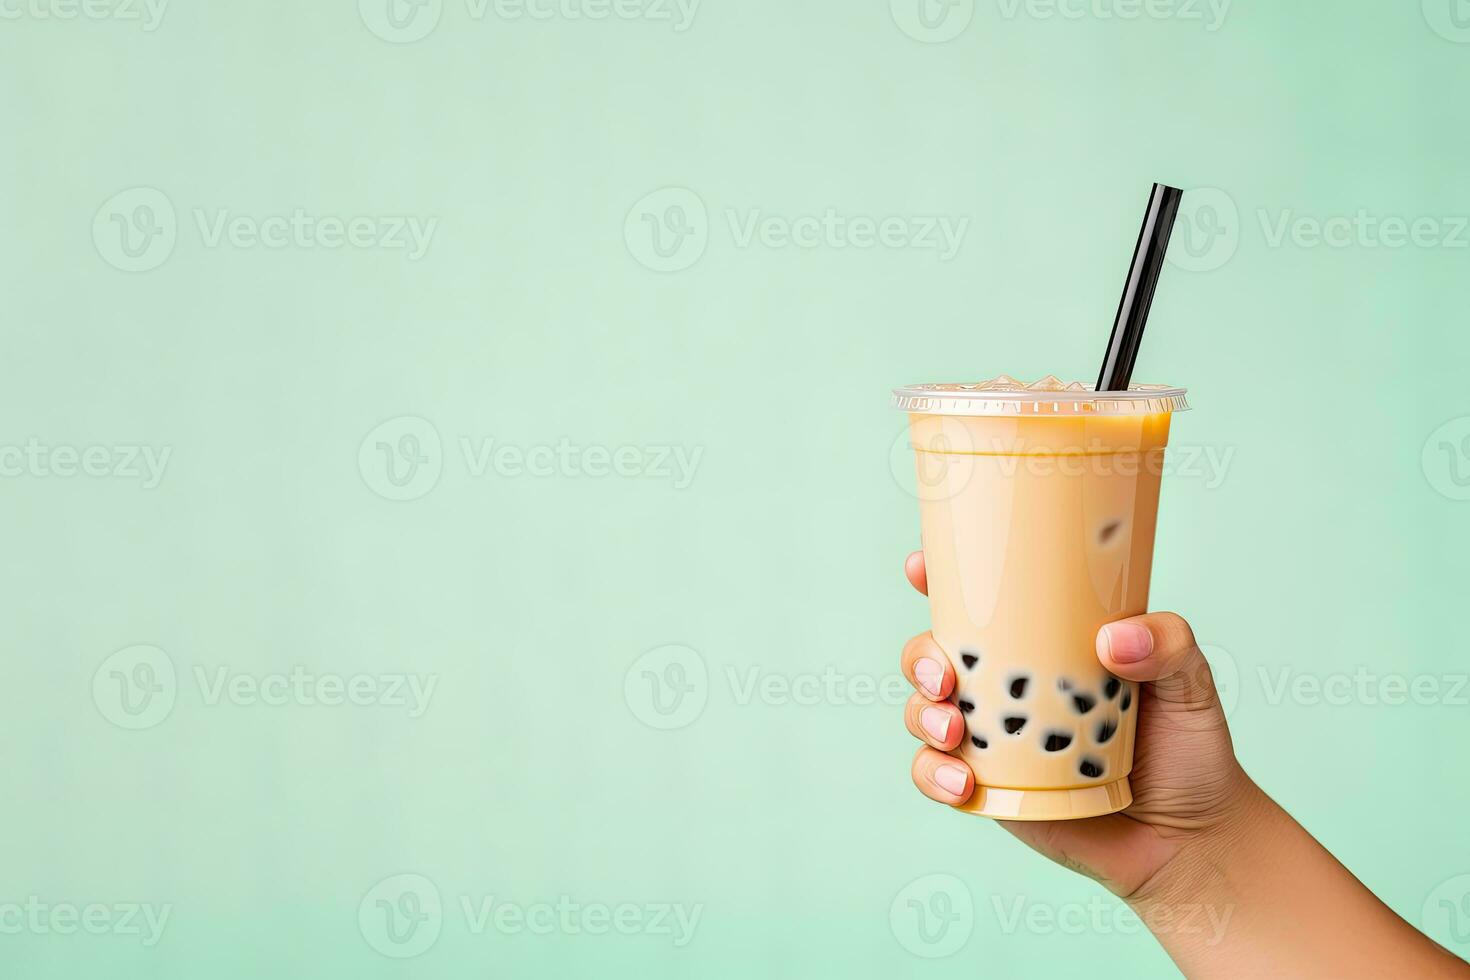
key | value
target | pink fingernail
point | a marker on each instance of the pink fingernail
(936, 722)
(930, 675)
(951, 779)
(1128, 643)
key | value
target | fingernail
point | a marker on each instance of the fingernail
(951, 779)
(1128, 643)
(930, 675)
(936, 722)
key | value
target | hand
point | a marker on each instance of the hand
(1186, 781)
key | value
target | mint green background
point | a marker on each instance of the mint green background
(1326, 547)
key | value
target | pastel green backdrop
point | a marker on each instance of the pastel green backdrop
(669, 690)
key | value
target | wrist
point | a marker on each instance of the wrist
(1208, 865)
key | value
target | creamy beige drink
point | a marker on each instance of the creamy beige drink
(1037, 505)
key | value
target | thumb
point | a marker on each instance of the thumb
(1160, 648)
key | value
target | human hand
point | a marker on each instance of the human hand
(1187, 784)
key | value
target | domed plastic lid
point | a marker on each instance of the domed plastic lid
(1005, 396)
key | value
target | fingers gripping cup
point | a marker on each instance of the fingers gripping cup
(1037, 505)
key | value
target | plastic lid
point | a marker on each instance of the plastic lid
(1005, 396)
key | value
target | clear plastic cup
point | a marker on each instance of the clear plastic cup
(1037, 506)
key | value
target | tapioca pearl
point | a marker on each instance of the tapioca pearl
(1056, 741)
(1018, 687)
(1063, 684)
(1014, 724)
(1111, 687)
(979, 742)
(966, 706)
(969, 660)
(1083, 703)
(1107, 532)
(1127, 701)
(1091, 768)
(1105, 730)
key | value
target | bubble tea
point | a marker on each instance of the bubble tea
(1037, 508)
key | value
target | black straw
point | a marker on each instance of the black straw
(1138, 291)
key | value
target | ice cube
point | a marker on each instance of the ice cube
(1049, 383)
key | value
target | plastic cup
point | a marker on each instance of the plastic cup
(1037, 506)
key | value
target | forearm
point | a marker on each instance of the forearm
(1266, 900)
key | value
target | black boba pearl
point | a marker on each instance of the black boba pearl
(1110, 687)
(970, 660)
(966, 706)
(1108, 530)
(1063, 684)
(979, 742)
(1090, 768)
(1083, 703)
(1105, 729)
(1056, 741)
(1018, 687)
(1014, 725)
(1127, 698)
